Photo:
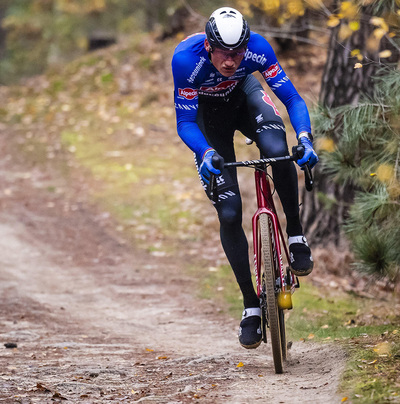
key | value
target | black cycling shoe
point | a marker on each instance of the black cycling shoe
(250, 328)
(301, 262)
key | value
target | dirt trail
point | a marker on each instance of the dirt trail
(95, 321)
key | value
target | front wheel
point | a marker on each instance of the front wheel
(275, 316)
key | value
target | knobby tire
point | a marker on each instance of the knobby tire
(268, 279)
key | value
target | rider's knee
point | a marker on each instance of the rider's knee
(272, 141)
(230, 214)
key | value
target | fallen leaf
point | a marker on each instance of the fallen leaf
(240, 365)
(385, 54)
(333, 21)
(344, 399)
(42, 387)
(358, 66)
(58, 395)
(354, 25)
(382, 348)
(149, 350)
(311, 336)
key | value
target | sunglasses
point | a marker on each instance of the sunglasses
(230, 54)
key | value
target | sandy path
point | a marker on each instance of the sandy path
(127, 330)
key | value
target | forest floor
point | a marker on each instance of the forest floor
(112, 324)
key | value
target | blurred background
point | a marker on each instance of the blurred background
(86, 95)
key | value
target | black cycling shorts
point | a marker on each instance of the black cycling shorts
(249, 110)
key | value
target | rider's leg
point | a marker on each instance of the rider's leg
(235, 245)
(217, 122)
(272, 143)
(265, 126)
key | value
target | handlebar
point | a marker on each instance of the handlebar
(297, 153)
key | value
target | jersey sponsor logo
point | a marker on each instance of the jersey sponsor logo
(225, 195)
(268, 101)
(196, 70)
(272, 71)
(281, 82)
(188, 93)
(220, 180)
(249, 55)
(259, 118)
(270, 126)
(225, 85)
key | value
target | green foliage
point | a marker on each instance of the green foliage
(360, 146)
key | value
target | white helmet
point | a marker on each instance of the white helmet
(227, 29)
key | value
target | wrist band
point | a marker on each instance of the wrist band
(306, 134)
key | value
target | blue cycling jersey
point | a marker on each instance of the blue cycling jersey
(195, 76)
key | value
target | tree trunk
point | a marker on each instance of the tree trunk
(325, 209)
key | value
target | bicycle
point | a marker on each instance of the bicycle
(275, 283)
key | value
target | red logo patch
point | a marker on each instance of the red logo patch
(188, 93)
(272, 71)
(268, 101)
(220, 87)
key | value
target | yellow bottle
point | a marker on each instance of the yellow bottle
(285, 300)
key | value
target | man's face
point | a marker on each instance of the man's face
(225, 61)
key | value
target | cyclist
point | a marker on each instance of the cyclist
(216, 94)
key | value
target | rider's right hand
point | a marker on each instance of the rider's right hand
(207, 167)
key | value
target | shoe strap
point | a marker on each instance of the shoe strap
(252, 311)
(298, 239)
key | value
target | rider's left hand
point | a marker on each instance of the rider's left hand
(310, 157)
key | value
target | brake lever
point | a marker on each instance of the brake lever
(297, 154)
(308, 178)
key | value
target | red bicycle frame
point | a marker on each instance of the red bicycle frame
(266, 205)
(275, 284)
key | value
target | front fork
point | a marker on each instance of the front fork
(286, 282)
